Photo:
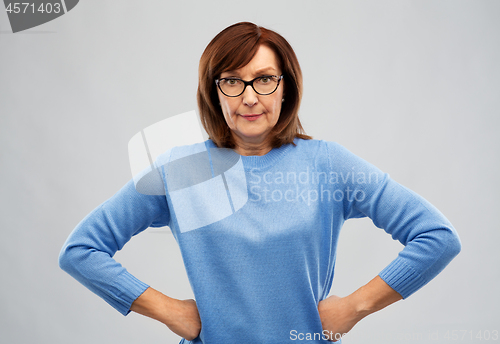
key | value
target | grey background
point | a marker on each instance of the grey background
(411, 86)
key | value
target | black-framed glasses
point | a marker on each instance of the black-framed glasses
(263, 85)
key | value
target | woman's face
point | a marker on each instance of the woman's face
(251, 116)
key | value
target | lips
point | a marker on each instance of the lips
(251, 117)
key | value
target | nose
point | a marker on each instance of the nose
(250, 97)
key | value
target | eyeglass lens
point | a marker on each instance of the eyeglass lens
(262, 85)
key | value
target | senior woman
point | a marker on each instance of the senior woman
(262, 271)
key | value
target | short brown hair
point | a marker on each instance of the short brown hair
(232, 49)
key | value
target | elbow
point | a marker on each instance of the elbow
(66, 261)
(63, 259)
(455, 244)
(452, 245)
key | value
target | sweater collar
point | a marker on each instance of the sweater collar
(261, 161)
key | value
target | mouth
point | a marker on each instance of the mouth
(252, 116)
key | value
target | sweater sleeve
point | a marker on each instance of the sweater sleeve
(430, 240)
(87, 254)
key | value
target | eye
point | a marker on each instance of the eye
(267, 80)
(232, 82)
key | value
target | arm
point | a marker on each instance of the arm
(180, 316)
(430, 240)
(87, 254)
(340, 314)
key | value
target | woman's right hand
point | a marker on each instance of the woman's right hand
(180, 316)
(183, 318)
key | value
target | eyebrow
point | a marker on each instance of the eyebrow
(264, 70)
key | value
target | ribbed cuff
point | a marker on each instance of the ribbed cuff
(128, 289)
(402, 277)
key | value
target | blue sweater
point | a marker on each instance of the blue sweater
(258, 235)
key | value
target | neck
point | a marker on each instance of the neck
(247, 148)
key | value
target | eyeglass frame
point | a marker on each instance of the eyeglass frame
(247, 83)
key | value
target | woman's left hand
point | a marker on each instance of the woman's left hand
(338, 316)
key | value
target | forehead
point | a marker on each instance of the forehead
(264, 60)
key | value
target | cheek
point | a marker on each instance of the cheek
(226, 106)
(275, 107)
(227, 110)
(277, 103)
